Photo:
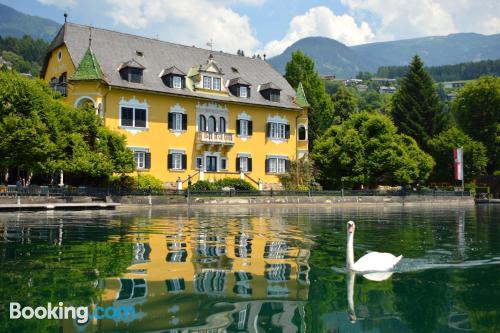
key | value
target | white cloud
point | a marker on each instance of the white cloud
(321, 21)
(189, 21)
(59, 3)
(415, 18)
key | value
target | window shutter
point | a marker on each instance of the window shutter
(184, 161)
(183, 82)
(250, 127)
(170, 162)
(238, 127)
(268, 130)
(287, 165)
(184, 121)
(249, 164)
(170, 120)
(147, 162)
(287, 131)
(267, 165)
(238, 164)
(248, 92)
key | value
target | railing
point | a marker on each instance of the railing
(55, 191)
(216, 138)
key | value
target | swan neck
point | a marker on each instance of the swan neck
(350, 291)
(350, 250)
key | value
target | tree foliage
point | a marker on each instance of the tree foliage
(43, 135)
(415, 106)
(477, 111)
(441, 149)
(26, 53)
(301, 69)
(300, 176)
(366, 149)
(345, 103)
(462, 71)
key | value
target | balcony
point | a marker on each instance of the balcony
(214, 138)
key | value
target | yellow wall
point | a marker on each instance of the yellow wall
(158, 139)
(56, 67)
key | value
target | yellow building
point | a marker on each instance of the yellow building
(185, 111)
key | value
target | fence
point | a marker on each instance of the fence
(67, 191)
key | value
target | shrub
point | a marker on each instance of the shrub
(143, 182)
(237, 184)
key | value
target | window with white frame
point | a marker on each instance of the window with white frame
(131, 288)
(140, 159)
(207, 82)
(199, 162)
(276, 165)
(243, 127)
(177, 82)
(277, 131)
(243, 91)
(177, 121)
(133, 117)
(216, 83)
(244, 164)
(177, 161)
(223, 163)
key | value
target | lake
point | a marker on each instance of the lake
(253, 269)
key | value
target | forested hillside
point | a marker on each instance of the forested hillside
(26, 54)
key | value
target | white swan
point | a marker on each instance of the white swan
(370, 262)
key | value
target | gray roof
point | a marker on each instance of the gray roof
(112, 49)
(269, 85)
(239, 80)
(173, 70)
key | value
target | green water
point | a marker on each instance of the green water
(240, 269)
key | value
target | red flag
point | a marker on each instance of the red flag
(458, 163)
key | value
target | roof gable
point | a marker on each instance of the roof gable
(88, 68)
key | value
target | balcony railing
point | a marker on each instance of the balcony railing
(216, 138)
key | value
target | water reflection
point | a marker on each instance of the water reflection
(254, 270)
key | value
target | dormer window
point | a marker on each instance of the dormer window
(207, 82)
(271, 92)
(131, 71)
(177, 82)
(243, 91)
(208, 76)
(239, 87)
(216, 83)
(173, 78)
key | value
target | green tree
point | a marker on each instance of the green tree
(415, 106)
(477, 111)
(345, 103)
(42, 135)
(300, 176)
(441, 149)
(373, 101)
(301, 69)
(366, 149)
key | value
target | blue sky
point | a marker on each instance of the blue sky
(269, 26)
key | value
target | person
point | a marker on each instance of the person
(18, 184)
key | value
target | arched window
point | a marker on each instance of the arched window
(85, 101)
(302, 133)
(212, 124)
(202, 126)
(222, 125)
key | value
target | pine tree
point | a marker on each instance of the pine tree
(416, 108)
(301, 69)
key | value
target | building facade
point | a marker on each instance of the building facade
(187, 113)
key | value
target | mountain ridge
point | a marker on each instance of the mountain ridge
(434, 50)
(16, 24)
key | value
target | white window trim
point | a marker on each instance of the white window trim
(244, 116)
(139, 150)
(277, 158)
(133, 103)
(305, 127)
(217, 155)
(177, 109)
(279, 120)
(245, 89)
(176, 82)
(202, 162)
(212, 109)
(176, 152)
(227, 163)
(243, 158)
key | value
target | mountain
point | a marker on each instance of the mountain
(329, 55)
(435, 51)
(334, 58)
(17, 24)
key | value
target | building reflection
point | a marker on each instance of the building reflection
(194, 278)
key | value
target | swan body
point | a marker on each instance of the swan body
(370, 262)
